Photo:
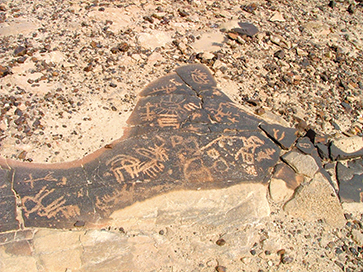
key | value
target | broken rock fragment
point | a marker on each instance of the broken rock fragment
(317, 200)
(284, 182)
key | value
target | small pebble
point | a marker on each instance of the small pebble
(221, 242)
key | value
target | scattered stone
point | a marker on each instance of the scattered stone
(246, 29)
(4, 71)
(280, 54)
(183, 13)
(301, 52)
(2, 17)
(283, 183)
(332, 4)
(317, 200)
(277, 17)
(79, 224)
(221, 242)
(20, 51)
(285, 259)
(280, 41)
(351, 9)
(302, 164)
(346, 148)
(122, 47)
(220, 268)
(251, 8)
(281, 135)
(357, 236)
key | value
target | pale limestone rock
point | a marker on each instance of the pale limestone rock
(277, 17)
(317, 28)
(279, 191)
(19, 26)
(58, 250)
(280, 41)
(154, 39)
(10, 263)
(210, 41)
(301, 163)
(317, 200)
(240, 203)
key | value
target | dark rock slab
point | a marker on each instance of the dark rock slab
(323, 150)
(8, 212)
(350, 179)
(285, 137)
(246, 29)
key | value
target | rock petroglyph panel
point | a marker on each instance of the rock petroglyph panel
(184, 133)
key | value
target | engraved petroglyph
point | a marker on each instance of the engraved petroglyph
(199, 77)
(265, 154)
(122, 164)
(195, 170)
(276, 134)
(222, 112)
(247, 152)
(31, 180)
(123, 195)
(35, 204)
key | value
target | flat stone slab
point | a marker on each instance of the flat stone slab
(184, 134)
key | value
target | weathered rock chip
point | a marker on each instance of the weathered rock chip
(284, 182)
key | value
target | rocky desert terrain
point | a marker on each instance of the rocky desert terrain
(70, 75)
